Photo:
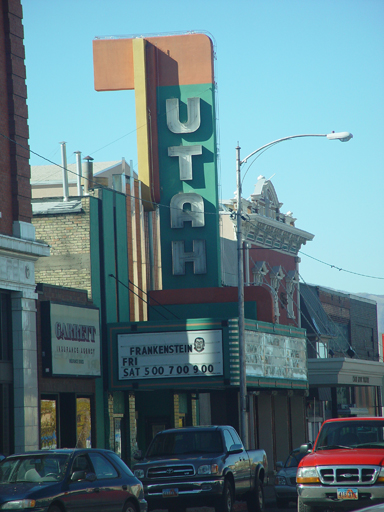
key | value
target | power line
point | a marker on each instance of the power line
(142, 298)
(339, 268)
(316, 259)
(169, 207)
(139, 127)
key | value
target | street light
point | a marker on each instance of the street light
(343, 137)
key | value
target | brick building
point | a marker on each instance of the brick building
(99, 243)
(271, 246)
(18, 247)
(345, 375)
(66, 226)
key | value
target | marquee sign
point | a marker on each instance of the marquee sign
(275, 356)
(170, 354)
(175, 116)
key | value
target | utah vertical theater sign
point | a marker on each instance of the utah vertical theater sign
(176, 139)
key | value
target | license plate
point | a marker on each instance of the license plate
(347, 494)
(170, 493)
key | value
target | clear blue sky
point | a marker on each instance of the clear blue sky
(283, 67)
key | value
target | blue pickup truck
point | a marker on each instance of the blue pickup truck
(201, 466)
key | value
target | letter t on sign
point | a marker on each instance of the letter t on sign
(185, 154)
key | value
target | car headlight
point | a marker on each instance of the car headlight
(139, 473)
(207, 469)
(280, 480)
(18, 505)
(307, 476)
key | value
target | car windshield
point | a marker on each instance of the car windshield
(180, 443)
(351, 434)
(33, 468)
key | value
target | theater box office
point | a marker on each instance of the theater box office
(70, 363)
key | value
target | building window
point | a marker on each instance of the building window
(83, 416)
(48, 424)
(259, 272)
(277, 275)
(321, 349)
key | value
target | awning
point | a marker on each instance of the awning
(339, 371)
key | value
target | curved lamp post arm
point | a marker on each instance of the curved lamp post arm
(343, 137)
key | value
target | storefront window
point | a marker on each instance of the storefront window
(343, 397)
(365, 397)
(48, 424)
(83, 418)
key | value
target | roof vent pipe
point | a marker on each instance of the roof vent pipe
(79, 173)
(65, 172)
(88, 174)
(118, 180)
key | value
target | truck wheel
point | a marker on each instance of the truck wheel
(225, 503)
(255, 500)
(306, 508)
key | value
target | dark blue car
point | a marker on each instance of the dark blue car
(69, 480)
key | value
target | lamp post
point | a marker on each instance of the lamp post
(343, 137)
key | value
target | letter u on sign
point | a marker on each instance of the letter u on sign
(173, 116)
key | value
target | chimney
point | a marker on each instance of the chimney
(79, 173)
(65, 173)
(119, 180)
(88, 174)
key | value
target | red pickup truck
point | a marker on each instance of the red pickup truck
(345, 469)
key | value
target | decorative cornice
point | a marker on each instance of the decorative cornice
(11, 246)
(273, 234)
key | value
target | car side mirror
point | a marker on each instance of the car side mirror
(279, 464)
(306, 448)
(236, 448)
(91, 477)
(138, 455)
(78, 475)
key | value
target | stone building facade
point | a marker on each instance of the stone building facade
(18, 247)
